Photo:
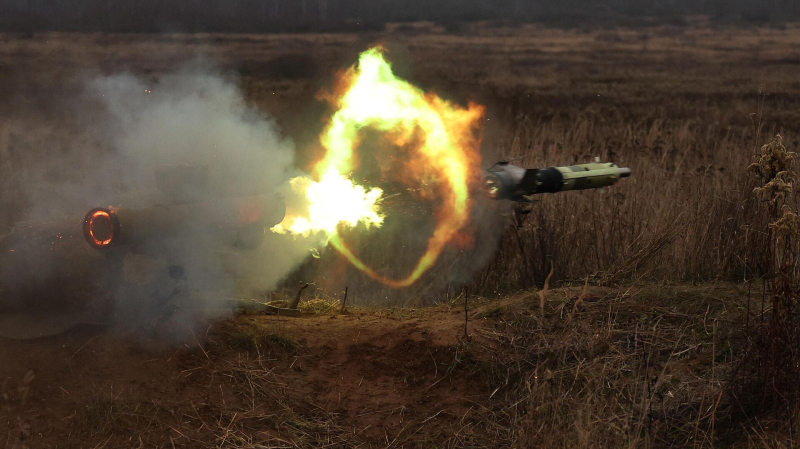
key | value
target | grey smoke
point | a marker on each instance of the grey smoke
(194, 117)
(191, 117)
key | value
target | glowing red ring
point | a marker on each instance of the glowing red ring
(108, 227)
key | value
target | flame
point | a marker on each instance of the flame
(444, 153)
(333, 200)
(105, 216)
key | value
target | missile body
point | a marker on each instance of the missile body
(510, 182)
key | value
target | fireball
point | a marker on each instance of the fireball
(332, 201)
(443, 139)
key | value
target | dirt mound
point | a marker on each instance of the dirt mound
(372, 375)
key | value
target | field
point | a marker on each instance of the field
(651, 353)
(607, 367)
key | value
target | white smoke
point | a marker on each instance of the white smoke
(193, 117)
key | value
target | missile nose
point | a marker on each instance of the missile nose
(624, 172)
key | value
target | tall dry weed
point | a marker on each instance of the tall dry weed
(778, 339)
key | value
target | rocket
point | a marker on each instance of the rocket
(505, 181)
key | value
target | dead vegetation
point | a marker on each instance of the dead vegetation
(642, 366)
(637, 367)
(651, 346)
(12, 403)
(647, 365)
(770, 377)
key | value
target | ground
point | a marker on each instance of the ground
(636, 361)
(650, 356)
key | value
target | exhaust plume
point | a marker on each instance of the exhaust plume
(439, 144)
(193, 120)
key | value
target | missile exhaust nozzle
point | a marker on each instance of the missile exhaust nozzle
(240, 222)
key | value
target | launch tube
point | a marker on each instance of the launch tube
(230, 219)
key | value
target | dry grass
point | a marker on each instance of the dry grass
(770, 375)
(660, 105)
(619, 372)
(683, 216)
(15, 428)
(319, 305)
(642, 366)
(638, 367)
(279, 419)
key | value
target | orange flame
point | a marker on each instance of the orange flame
(445, 141)
(105, 217)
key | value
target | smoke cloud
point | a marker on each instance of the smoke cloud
(190, 117)
(187, 138)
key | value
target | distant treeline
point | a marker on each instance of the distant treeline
(344, 15)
